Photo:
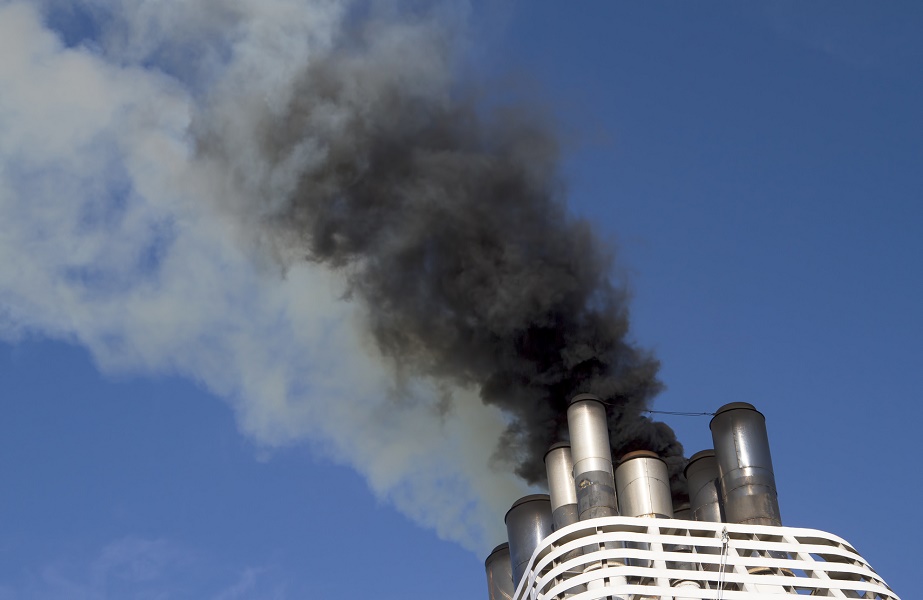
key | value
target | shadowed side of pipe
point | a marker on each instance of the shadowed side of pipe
(528, 523)
(705, 495)
(593, 477)
(748, 484)
(682, 511)
(704, 488)
(559, 466)
(499, 574)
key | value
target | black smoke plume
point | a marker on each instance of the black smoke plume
(451, 225)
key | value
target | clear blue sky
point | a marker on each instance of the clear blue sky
(758, 167)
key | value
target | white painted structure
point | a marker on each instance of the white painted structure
(628, 558)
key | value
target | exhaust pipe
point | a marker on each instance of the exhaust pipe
(748, 485)
(528, 523)
(499, 574)
(705, 495)
(589, 435)
(704, 489)
(593, 477)
(559, 465)
(642, 486)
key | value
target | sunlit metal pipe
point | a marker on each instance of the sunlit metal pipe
(748, 485)
(528, 523)
(589, 438)
(704, 488)
(559, 466)
(499, 574)
(642, 485)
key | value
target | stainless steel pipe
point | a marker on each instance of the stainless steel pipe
(589, 438)
(642, 485)
(704, 488)
(559, 466)
(499, 574)
(528, 523)
(748, 484)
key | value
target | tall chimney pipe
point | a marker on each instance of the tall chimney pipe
(642, 485)
(748, 485)
(705, 495)
(593, 477)
(528, 522)
(499, 574)
(559, 465)
(704, 488)
(589, 437)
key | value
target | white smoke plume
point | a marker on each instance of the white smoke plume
(116, 234)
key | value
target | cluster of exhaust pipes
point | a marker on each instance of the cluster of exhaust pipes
(732, 483)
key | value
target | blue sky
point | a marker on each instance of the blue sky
(171, 418)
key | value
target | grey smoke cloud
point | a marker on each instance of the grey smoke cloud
(428, 262)
(451, 227)
(113, 236)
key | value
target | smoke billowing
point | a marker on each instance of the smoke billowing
(451, 226)
(438, 304)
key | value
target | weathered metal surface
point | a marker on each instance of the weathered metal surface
(528, 523)
(748, 484)
(593, 478)
(704, 489)
(559, 466)
(499, 574)
(642, 486)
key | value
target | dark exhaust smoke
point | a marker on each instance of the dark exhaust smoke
(450, 224)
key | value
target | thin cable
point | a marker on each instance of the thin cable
(680, 413)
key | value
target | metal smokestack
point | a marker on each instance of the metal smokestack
(559, 466)
(593, 478)
(705, 494)
(642, 486)
(528, 523)
(704, 488)
(499, 574)
(642, 482)
(748, 485)
(589, 437)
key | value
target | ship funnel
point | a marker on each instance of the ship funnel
(642, 486)
(559, 466)
(589, 438)
(528, 523)
(499, 574)
(748, 485)
(704, 487)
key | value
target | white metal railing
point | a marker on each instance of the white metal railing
(626, 558)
